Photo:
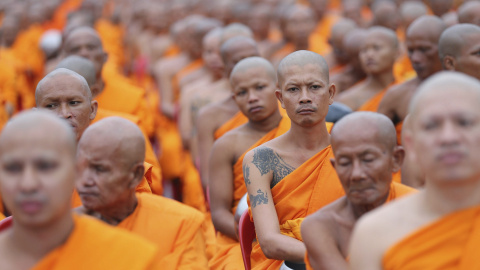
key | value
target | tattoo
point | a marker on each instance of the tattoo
(258, 199)
(246, 174)
(267, 160)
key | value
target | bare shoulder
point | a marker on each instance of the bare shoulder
(324, 220)
(398, 90)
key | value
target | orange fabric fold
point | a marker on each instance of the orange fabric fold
(237, 120)
(398, 128)
(95, 245)
(175, 228)
(372, 104)
(449, 243)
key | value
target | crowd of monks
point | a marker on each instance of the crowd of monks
(136, 134)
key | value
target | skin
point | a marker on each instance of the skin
(440, 7)
(459, 48)
(67, 94)
(469, 12)
(37, 172)
(411, 173)
(377, 56)
(422, 39)
(213, 116)
(366, 155)
(110, 161)
(410, 11)
(445, 133)
(253, 83)
(385, 14)
(338, 56)
(305, 93)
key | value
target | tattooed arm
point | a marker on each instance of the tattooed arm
(264, 170)
(220, 185)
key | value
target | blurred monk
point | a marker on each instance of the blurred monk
(459, 47)
(110, 159)
(410, 11)
(422, 44)
(218, 118)
(259, 20)
(318, 39)
(437, 227)
(291, 176)
(469, 12)
(366, 155)
(377, 55)
(253, 83)
(37, 176)
(337, 59)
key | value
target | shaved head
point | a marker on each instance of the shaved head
(411, 10)
(428, 25)
(385, 14)
(469, 12)
(452, 40)
(80, 65)
(61, 73)
(81, 31)
(236, 29)
(388, 33)
(254, 62)
(236, 49)
(302, 58)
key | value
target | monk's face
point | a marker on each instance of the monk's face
(423, 54)
(254, 93)
(469, 60)
(236, 56)
(85, 44)
(377, 54)
(66, 97)
(446, 135)
(211, 55)
(104, 176)
(364, 165)
(37, 174)
(299, 25)
(305, 94)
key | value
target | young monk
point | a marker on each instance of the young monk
(436, 228)
(290, 176)
(37, 176)
(110, 159)
(253, 83)
(377, 55)
(422, 44)
(459, 47)
(366, 155)
(218, 118)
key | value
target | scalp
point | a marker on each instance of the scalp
(389, 34)
(302, 58)
(62, 73)
(84, 30)
(235, 44)
(452, 39)
(234, 30)
(427, 25)
(80, 65)
(251, 63)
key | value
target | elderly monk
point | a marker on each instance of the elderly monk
(422, 43)
(459, 48)
(436, 228)
(218, 118)
(377, 55)
(291, 176)
(253, 83)
(469, 12)
(114, 92)
(110, 159)
(86, 69)
(37, 175)
(366, 155)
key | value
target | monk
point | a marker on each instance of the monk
(213, 119)
(437, 227)
(113, 92)
(290, 176)
(377, 55)
(37, 175)
(469, 12)
(259, 18)
(366, 155)
(422, 43)
(458, 49)
(318, 39)
(253, 83)
(110, 159)
(353, 72)
(337, 59)
(410, 11)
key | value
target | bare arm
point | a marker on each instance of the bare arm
(206, 128)
(364, 247)
(220, 184)
(386, 105)
(163, 79)
(274, 244)
(323, 250)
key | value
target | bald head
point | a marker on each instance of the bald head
(384, 32)
(80, 65)
(251, 63)
(234, 30)
(469, 12)
(236, 49)
(428, 25)
(61, 73)
(411, 10)
(302, 58)
(385, 14)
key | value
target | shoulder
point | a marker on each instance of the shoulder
(169, 209)
(322, 220)
(399, 89)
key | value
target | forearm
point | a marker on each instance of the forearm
(282, 247)
(224, 222)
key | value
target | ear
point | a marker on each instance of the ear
(449, 62)
(138, 171)
(93, 107)
(398, 156)
(278, 94)
(332, 89)
(105, 57)
(332, 161)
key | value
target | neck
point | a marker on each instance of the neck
(381, 80)
(360, 209)
(268, 123)
(120, 211)
(312, 138)
(38, 242)
(446, 198)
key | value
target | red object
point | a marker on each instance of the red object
(5, 223)
(246, 231)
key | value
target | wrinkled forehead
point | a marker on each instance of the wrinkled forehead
(61, 86)
(309, 70)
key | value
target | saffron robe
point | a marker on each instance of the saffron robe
(237, 120)
(372, 104)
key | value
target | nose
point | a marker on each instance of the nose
(29, 181)
(85, 178)
(252, 96)
(83, 52)
(416, 57)
(65, 111)
(449, 134)
(305, 97)
(357, 172)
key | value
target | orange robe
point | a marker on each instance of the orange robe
(398, 128)
(318, 40)
(112, 37)
(93, 244)
(174, 227)
(397, 190)
(449, 243)
(287, 49)
(308, 188)
(237, 120)
(59, 19)
(1, 216)
(372, 104)
(229, 254)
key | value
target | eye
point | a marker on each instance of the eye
(13, 167)
(74, 103)
(99, 168)
(430, 125)
(464, 122)
(51, 106)
(241, 93)
(260, 87)
(46, 165)
(292, 89)
(316, 87)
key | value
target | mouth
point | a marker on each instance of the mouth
(451, 158)
(87, 194)
(306, 111)
(255, 109)
(31, 207)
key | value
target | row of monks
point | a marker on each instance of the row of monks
(135, 134)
